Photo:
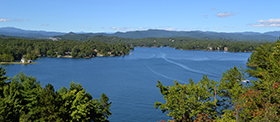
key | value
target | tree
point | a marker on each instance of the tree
(11, 102)
(102, 111)
(50, 105)
(3, 78)
(186, 102)
(81, 107)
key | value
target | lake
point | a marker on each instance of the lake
(130, 81)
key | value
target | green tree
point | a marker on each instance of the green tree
(230, 88)
(186, 102)
(11, 107)
(3, 78)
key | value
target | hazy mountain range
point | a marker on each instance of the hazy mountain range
(11, 31)
(267, 36)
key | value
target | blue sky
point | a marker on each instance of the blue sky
(131, 15)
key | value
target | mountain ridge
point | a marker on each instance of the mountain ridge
(248, 35)
(12, 31)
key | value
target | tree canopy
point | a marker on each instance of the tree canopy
(22, 98)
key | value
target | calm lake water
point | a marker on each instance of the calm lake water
(130, 81)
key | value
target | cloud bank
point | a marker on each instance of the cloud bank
(268, 23)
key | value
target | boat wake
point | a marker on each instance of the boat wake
(164, 76)
(187, 68)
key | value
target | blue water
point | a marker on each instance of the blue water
(130, 81)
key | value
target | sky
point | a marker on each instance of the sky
(132, 15)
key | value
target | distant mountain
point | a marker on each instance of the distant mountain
(273, 33)
(11, 31)
(269, 36)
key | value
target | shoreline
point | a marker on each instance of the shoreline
(5, 63)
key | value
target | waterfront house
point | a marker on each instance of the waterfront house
(68, 53)
(225, 49)
(22, 60)
(29, 61)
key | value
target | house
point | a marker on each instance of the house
(68, 53)
(29, 61)
(24, 60)
(225, 49)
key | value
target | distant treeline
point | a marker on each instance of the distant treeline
(14, 49)
(183, 43)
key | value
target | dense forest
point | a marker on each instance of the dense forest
(14, 49)
(22, 98)
(233, 98)
(183, 43)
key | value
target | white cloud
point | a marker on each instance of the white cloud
(170, 28)
(185, 29)
(122, 28)
(84, 26)
(15, 20)
(129, 29)
(5, 20)
(225, 14)
(267, 23)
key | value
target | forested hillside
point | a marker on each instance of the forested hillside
(233, 98)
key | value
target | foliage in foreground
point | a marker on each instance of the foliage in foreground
(24, 99)
(231, 99)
